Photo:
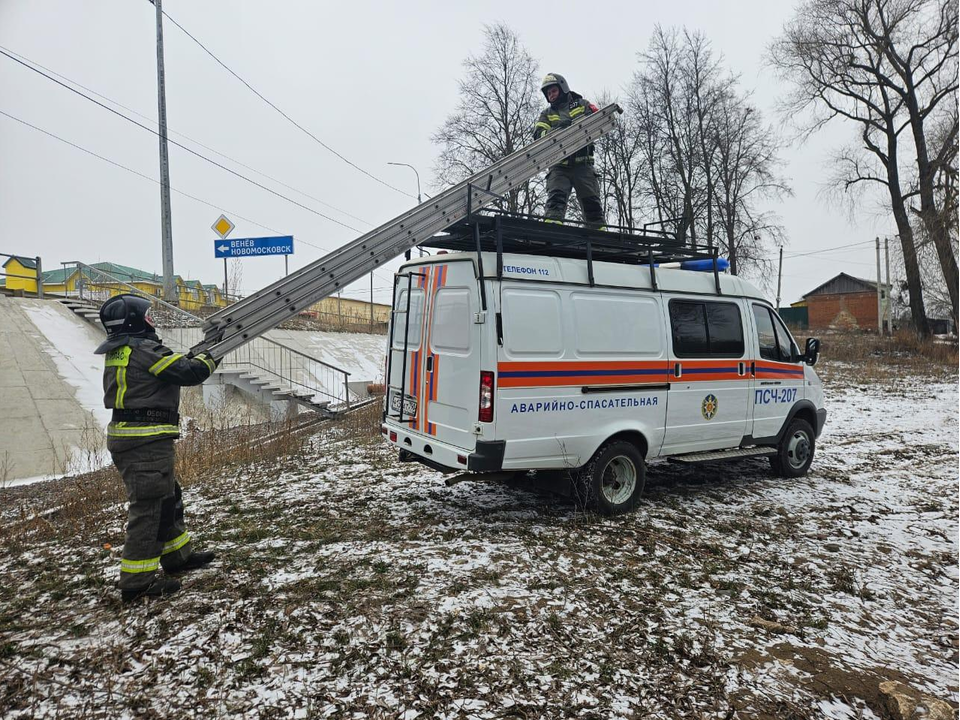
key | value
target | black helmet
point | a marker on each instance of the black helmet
(554, 79)
(127, 315)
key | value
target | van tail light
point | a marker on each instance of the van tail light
(486, 397)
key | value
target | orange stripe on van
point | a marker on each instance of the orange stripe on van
(577, 372)
(771, 370)
(429, 297)
(435, 375)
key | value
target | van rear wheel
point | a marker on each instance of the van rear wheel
(613, 480)
(795, 451)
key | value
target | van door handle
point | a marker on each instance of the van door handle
(741, 369)
(677, 370)
(753, 369)
(429, 363)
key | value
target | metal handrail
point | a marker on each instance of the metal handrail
(236, 360)
(292, 382)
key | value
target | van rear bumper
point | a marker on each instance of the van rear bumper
(487, 458)
(487, 455)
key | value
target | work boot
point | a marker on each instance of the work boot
(195, 561)
(158, 587)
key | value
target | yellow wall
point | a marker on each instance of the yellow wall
(191, 297)
(20, 283)
(331, 308)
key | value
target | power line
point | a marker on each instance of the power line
(193, 152)
(187, 137)
(181, 145)
(136, 172)
(288, 118)
(820, 252)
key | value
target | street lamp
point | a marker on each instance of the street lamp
(419, 198)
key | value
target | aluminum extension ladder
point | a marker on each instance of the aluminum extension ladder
(250, 318)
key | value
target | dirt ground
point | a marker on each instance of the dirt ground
(351, 586)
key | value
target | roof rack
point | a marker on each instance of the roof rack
(505, 232)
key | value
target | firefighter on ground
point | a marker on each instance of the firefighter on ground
(141, 384)
(577, 171)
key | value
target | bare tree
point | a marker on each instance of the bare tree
(499, 104)
(621, 167)
(745, 173)
(886, 66)
(706, 155)
(661, 99)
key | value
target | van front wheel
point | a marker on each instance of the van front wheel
(795, 451)
(614, 478)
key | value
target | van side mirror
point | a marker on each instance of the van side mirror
(812, 352)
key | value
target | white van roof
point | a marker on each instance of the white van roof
(568, 270)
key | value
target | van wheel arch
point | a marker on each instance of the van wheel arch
(802, 410)
(631, 436)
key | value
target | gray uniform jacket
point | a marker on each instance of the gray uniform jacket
(141, 383)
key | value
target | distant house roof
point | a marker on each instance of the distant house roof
(30, 263)
(841, 284)
(122, 273)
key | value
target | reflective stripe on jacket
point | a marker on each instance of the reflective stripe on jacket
(143, 374)
(562, 115)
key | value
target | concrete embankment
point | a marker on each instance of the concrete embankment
(51, 403)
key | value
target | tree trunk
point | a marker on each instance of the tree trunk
(933, 221)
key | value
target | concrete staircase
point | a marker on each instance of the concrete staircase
(282, 398)
(85, 309)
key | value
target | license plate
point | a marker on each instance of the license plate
(409, 404)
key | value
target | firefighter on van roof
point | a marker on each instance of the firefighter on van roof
(577, 171)
(141, 383)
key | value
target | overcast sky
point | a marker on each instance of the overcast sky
(371, 80)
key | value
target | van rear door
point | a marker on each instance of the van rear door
(451, 361)
(435, 354)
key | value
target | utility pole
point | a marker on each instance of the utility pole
(879, 292)
(887, 310)
(371, 302)
(169, 292)
(779, 275)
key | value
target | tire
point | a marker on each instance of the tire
(795, 451)
(613, 480)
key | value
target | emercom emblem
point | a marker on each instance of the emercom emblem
(709, 407)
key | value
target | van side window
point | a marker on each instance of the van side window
(788, 348)
(688, 323)
(706, 329)
(766, 334)
(775, 341)
(724, 329)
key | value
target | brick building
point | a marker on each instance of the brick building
(843, 301)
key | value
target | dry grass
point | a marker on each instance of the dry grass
(81, 506)
(869, 357)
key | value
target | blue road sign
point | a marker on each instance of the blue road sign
(253, 247)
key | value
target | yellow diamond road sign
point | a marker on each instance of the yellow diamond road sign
(223, 227)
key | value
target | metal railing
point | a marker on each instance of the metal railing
(299, 372)
(291, 370)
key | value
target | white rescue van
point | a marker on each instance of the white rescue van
(546, 348)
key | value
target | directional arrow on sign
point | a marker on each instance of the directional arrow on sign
(223, 248)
